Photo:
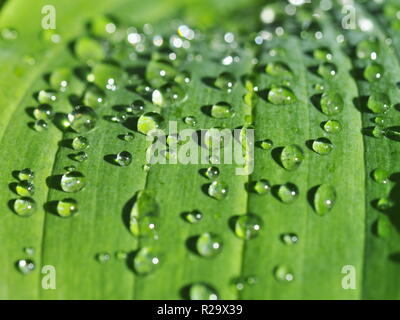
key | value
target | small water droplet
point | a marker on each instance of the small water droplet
(332, 126)
(291, 157)
(93, 97)
(325, 199)
(43, 112)
(327, 70)
(283, 274)
(47, 96)
(121, 255)
(380, 121)
(149, 121)
(367, 49)
(262, 186)
(380, 175)
(146, 261)
(168, 94)
(24, 207)
(129, 136)
(379, 103)
(25, 188)
(222, 110)
(212, 173)
(26, 174)
(67, 208)
(323, 54)
(194, 216)
(146, 167)
(25, 266)
(289, 238)
(124, 158)
(144, 215)
(288, 192)
(60, 78)
(103, 257)
(208, 244)
(40, 125)
(190, 120)
(383, 227)
(331, 103)
(266, 144)
(384, 204)
(373, 72)
(378, 132)
(278, 69)
(218, 190)
(225, 81)
(202, 291)
(80, 143)
(281, 95)
(82, 119)
(73, 181)
(29, 251)
(248, 226)
(322, 146)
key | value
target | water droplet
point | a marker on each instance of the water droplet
(73, 181)
(168, 94)
(183, 78)
(124, 158)
(266, 144)
(378, 132)
(384, 204)
(281, 95)
(331, 103)
(102, 26)
(43, 112)
(218, 190)
(262, 186)
(103, 257)
(278, 69)
(81, 156)
(89, 50)
(24, 207)
(93, 97)
(9, 33)
(380, 175)
(325, 199)
(70, 168)
(373, 72)
(29, 251)
(149, 121)
(322, 146)
(80, 143)
(40, 125)
(323, 54)
(288, 192)
(26, 174)
(105, 76)
(128, 136)
(160, 72)
(283, 274)
(383, 227)
(67, 208)
(144, 215)
(222, 110)
(146, 167)
(212, 173)
(327, 70)
(332, 126)
(208, 245)
(225, 81)
(289, 238)
(190, 120)
(137, 107)
(194, 216)
(47, 96)
(379, 121)
(25, 188)
(60, 78)
(146, 261)
(25, 266)
(121, 255)
(379, 103)
(291, 157)
(82, 119)
(248, 226)
(202, 291)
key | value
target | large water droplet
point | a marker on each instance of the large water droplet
(24, 207)
(218, 190)
(322, 146)
(324, 199)
(25, 188)
(331, 103)
(288, 192)
(379, 103)
(124, 158)
(248, 226)
(212, 173)
(281, 95)
(208, 244)
(149, 121)
(80, 143)
(291, 157)
(73, 181)
(82, 119)
(146, 261)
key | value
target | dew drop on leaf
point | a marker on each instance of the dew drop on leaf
(278, 69)
(322, 146)
(324, 199)
(281, 95)
(212, 172)
(380, 175)
(25, 266)
(208, 244)
(379, 103)
(149, 121)
(331, 103)
(60, 78)
(262, 186)
(283, 274)
(248, 226)
(80, 143)
(25, 188)
(373, 72)
(202, 291)
(67, 208)
(190, 120)
(24, 207)
(40, 125)
(103, 257)
(288, 192)
(47, 96)
(193, 217)
(289, 238)
(222, 110)
(225, 81)
(327, 70)
(73, 181)
(383, 227)
(26, 174)
(332, 126)
(82, 119)
(43, 112)
(291, 157)
(145, 261)
(218, 190)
